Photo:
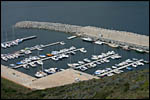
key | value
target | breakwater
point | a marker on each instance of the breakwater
(118, 37)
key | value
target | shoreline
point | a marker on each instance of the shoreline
(58, 79)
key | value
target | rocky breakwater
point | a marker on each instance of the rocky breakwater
(98, 33)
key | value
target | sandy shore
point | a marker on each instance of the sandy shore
(58, 79)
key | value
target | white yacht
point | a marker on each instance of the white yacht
(42, 56)
(28, 52)
(99, 42)
(86, 60)
(94, 57)
(114, 67)
(40, 74)
(51, 70)
(40, 62)
(88, 39)
(32, 64)
(83, 68)
(113, 45)
(81, 62)
(71, 37)
(12, 65)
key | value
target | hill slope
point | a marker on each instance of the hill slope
(131, 85)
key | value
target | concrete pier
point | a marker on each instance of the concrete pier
(120, 37)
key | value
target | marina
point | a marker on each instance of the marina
(64, 51)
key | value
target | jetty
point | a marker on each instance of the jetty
(50, 57)
(122, 67)
(107, 35)
(15, 42)
(28, 50)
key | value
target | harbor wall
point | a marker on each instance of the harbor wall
(121, 37)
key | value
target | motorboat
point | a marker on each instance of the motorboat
(42, 56)
(27, 52)
(126, 47)
(140, 63)
(72, 48)
(92, 65)
(134, 59)
(32, 64)
(60, 70)
(113, 45)
(62, 43)
(25, 66)
(81, 62)
(83, 68)
(55, 58)
(71, 37)
(19, 63)
(134, 65)
(109, 69)
(12, 65)
(88, 39)
(99, 42)
(54, 52)
(117, 71)
(71, 65)
(97, 72)
(114, 67)
(139, 50)
(100, 56)
(83, 50)
(40, 62)
(94, 57)
(129, 61)
(3, 45)
(51, 70)
(5, 58)
(106, 60)
(86, 60)
(40, 74)
(98, 62)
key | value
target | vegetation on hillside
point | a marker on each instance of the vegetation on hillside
(133, 85)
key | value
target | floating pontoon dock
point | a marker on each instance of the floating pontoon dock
(49, 57)
(119, 68)
(96, 61)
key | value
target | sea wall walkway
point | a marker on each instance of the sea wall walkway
(120, 37)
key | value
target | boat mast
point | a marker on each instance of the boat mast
(42, 67)
(6, 36)
(13, 33)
